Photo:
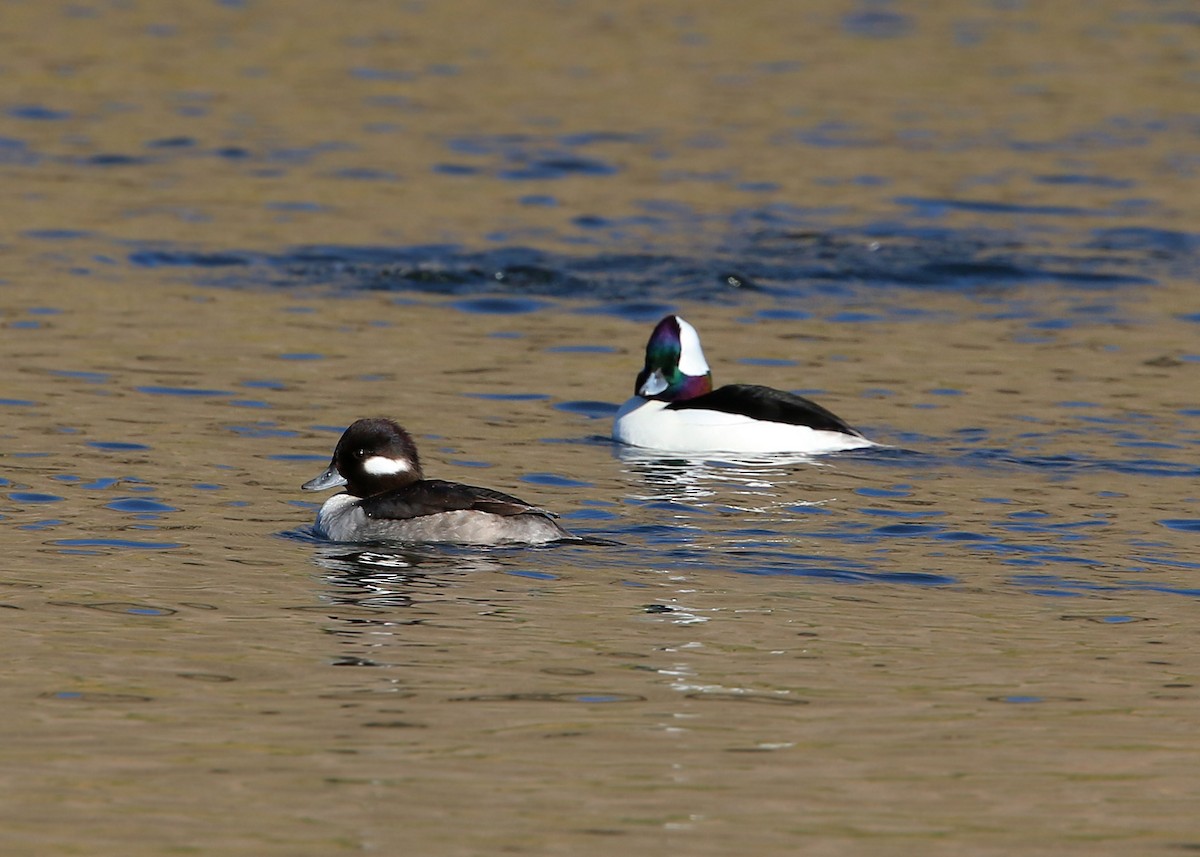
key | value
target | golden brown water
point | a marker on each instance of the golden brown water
(979, 642)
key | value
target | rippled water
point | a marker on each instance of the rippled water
(235, 227)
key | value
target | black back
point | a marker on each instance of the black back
(430, 496)
(767, 403)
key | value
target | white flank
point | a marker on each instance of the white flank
(691, 355)
(379, 465)
(648, 423)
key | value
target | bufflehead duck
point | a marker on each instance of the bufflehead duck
(388, 498)
(675, 407)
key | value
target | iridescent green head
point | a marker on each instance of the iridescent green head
(675, 366)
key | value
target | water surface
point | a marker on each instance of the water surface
(234, 228)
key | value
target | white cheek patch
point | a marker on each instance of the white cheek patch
(691, 355)
(379, 465)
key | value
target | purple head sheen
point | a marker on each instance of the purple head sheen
(690, 386)
(655, 384)
(662, 349)
(675, 367)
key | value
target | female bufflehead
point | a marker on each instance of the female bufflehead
(675, 407)
(388, 498)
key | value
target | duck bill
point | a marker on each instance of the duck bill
(329, 479)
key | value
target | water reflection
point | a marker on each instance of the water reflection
(399, 560)
(388, 577)
(682, 478)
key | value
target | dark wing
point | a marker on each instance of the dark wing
(430, 496)
(767, 403)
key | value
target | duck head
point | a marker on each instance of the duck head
(675, 366)
(372, 456)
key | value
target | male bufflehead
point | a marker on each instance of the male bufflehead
(675, 407)
(388, 498)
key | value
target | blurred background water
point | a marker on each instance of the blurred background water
(231, 228)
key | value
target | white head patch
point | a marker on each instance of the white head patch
(381, 465)
(691, 355)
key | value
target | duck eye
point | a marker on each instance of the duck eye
(360, 453)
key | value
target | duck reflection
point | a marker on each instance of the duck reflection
(377, 598)
(395, 576)
(752, 479)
